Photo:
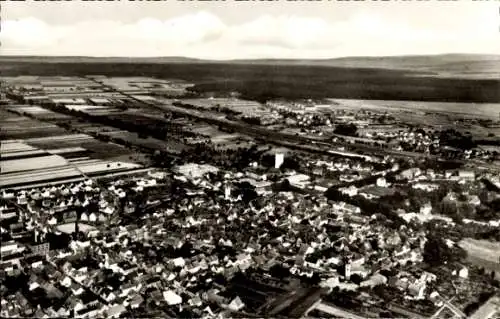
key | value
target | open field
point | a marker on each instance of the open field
(37, 112)
(59, 141)
(97, 149)
(89, 128)
(19, 127)
(51, 160)
(34, 163)
(482, 253)
(150, 142)
(486, 110)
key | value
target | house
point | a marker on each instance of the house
(356, 267)
(375, 280)
(136, 301)
(115, 311)
(426, 209)
(474, 200)
(243, 261)
(108, 295)
(417, 290)
(381, 182)
(299, 180)
(128, 288)
(331, 282)
(152, 282)
(466, 175)
(195, 301)
(350, 191)
(236, 304)
(461, 271)
(348, 208)
(399, 283)
(172, 298)
(22, 199)
(371, 192)
(410, 173)
(40, 249)
(320, 188)
(76, 289)
(61, 312)
(8, 194)
(8, 248)
(427, 277)
(179, 262)
(428, 187)
(436, 298)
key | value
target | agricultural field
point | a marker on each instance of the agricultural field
(476, 110)
(142, 85)
(51, 160)
(94, 109)
(60, 141)
(148, 113)
(34, 163)
(37, 112)
(113, 152)
(205, 130)
(149, 142)
(21, 127)
(91, 128)
(96, 148)
(230, 141)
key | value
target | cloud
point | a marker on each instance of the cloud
(31, 32)
(187, 29)
(285, 31)
(106, 37)
(204, 35)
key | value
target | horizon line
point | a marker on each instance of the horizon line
(249, 59)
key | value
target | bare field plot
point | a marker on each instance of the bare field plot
(106, 150)
(483, 110)
(37, 112)
(20, 127)
(59, 141)
(153, 143)
(27, 164)
(206, 130)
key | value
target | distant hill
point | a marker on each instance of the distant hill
(461, 65)
(86, 59)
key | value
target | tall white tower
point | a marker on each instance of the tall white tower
(278, 160)
(348, 271)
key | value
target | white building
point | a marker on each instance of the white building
(278, 160)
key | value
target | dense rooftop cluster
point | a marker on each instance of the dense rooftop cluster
(218, 221)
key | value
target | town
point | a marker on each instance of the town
(140, 197)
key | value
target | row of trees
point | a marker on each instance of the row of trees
(349, 129)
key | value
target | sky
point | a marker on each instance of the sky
(252, 29)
